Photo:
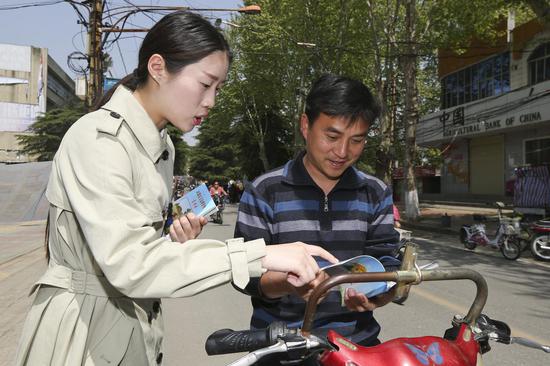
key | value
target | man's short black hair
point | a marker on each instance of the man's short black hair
(340, 96)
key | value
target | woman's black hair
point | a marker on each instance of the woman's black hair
(181, 38)
(340, 96)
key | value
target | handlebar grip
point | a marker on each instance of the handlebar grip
(232, 341)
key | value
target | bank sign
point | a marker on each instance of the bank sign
(524, 107)
(460, 129)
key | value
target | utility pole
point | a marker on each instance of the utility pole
(94, 87)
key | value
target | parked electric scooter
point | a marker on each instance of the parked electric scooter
(540, 242)
(506, 238)
(462, 344)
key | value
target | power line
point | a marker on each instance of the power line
(30, 5)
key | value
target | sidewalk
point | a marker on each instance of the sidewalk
(432, 213)
(17, 239)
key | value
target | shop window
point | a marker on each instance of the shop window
(539, 64)
(482, 80)
(537, 151)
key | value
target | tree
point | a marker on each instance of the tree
(48, 130)
(382, 28)
(541, 8)
(214, 157)
(278, 54)
(181, 150)
(408, 62)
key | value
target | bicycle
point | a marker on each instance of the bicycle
(506, 237)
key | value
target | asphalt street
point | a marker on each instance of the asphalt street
(519, 294)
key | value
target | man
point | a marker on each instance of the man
(320, 198)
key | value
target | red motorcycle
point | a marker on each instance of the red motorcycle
(462, 344)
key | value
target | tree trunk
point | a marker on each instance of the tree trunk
(383, 156)
(409, 64)
(263, 155)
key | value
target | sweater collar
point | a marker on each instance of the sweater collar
(295, 173)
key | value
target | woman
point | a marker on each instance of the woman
(98, 302)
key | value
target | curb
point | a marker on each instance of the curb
(426, 227)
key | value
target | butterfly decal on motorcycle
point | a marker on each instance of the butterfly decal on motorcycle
(432, 354)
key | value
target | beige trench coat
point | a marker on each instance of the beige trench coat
(98, 302)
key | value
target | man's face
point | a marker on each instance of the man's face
(332, 145)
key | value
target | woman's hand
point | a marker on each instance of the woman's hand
(296, 259)
(186, 227)
(305, 291)
(275, 284)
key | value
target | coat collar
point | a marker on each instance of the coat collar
(295, 173)
(127, 106)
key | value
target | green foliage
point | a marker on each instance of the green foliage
(254, 124)
(181, 150)
(429, 156)
(214, 156)
(48, 130)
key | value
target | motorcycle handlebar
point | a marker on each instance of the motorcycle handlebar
(401, 277)
(229, 341)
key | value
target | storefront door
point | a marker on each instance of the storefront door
(487, 165)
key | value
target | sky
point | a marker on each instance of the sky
(53, 25)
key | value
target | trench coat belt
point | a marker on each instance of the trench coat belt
(78, 282)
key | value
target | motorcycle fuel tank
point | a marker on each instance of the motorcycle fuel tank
(419, 351)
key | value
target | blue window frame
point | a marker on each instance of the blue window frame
(485, 79)
(539, 64)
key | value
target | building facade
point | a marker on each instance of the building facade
(495, 114)
(31, 83)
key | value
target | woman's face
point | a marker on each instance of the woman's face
(186, 97)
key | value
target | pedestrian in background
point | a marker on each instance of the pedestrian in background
(98, 302)
(396, 217)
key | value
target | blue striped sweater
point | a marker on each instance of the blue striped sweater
(285, 205)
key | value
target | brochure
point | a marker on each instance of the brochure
(359, 264)
(197, 201)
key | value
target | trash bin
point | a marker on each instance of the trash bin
(446, 220)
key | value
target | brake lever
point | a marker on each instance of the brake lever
(500, 332)
(255, 356)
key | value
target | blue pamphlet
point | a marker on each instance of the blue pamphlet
(359, 264)
(197, 201)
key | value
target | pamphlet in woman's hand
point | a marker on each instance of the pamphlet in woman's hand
(360, 264)
(197, 201)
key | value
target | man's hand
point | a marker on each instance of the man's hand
(186, 227)
(356, 301)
